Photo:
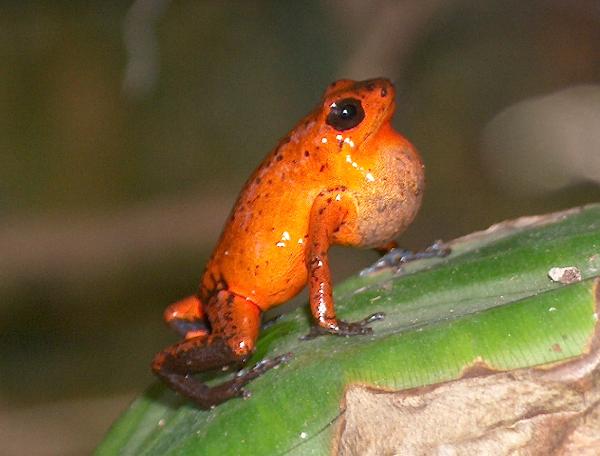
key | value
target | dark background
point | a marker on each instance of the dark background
(127, 131)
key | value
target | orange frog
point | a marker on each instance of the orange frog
(343, 175)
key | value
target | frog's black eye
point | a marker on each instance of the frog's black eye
(345, 114)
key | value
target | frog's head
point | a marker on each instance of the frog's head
(355, 110)
(378, 166)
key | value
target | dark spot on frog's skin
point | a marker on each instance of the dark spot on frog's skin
(260, 212)
(370, 86)
(383, 92)
(218, 284)
(257, 180)
(315, 261)
(270, 181)
(306, 153)
(328, 200)
(322, 168)
(279, 157)
(321, 210)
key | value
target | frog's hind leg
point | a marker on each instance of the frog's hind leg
(235, 323)
(187, 318)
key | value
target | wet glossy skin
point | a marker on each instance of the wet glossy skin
(338, 178)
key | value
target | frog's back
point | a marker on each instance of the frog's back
(260, 254)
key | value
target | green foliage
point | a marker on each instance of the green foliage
(491, 300)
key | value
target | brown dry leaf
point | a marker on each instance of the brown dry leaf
(553, 410)
(500, 414)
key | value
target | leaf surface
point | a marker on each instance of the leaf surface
(491, 301)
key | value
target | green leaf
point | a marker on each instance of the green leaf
(491, 301)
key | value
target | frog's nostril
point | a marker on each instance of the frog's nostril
(383, 92)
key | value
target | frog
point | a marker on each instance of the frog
(342, 176)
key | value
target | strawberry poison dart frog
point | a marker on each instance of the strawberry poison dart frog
(343, 175)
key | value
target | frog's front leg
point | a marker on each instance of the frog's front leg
(395, 257)
(386, 248)
(327, 215)
(235, 323)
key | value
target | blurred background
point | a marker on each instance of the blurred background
(127, 129)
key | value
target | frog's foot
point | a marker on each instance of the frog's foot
(206, 396)
(386, 248)
(243, 377)
(398, 257)
(231, 346)
(342, 328)
(235, 387)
